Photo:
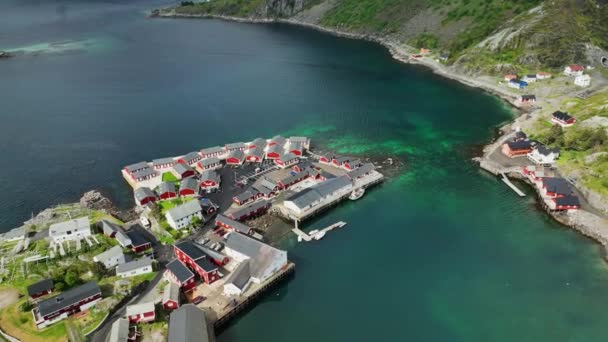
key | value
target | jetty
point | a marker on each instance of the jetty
(506, 180)
(317, 234)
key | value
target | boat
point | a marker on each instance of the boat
(355, 195)
(319, 235)
(313, 232)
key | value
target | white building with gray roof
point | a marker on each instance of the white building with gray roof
(264, 260)
(317, 196)
(120, 331)
(134, 268)
(110, 258)
(238, 281)
(188, 324)
(70, 230)
(180, 217)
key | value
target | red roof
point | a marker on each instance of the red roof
(576, 67)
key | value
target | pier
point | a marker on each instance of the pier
(511, 185)
(320, 233)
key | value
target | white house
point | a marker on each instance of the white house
(110, 258)
(574, 70)
(70, 230)
(582, 80)
(263, 260)
(542, 155)
(134, 268)
(317, 195)
(181, 216)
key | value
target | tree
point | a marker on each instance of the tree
(556, 136)
(70, 279)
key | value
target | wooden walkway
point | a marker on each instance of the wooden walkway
(308, 238)
(511, 185)
(301, 234)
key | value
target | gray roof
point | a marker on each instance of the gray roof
(268, 183)
(143, 173)
(355, 162)
(133, 265)
(119, 331)
(287, 157)
(181, 168)
(137, 238)
(113, 252)
(342, 159)
(165, 187)
(210, 175)
(212, 150)
(313, 194)
(136, 166)
(259, 142)
(557, 185)
(258, 152)
(244, 196)
(236, 225)
(210, 161)
(188, 183)
(206, 265)
(219, 257)
(184, 210)
(279, 140)
(240, 276)
(179, 270)
(109, 227)
(190, 249)
(261, 254)
(188, 324)
(122, 238)
(163, 161)
(81, 223)
(68, 298)
(275, 148)
(43, 285)
(143, 192)
(361, 170)
(246, 210)
(190, 156)
(171, 292)
(235, 145)
(236, 154)
(295, 146)
(262, 189)
(301, 140)
(544, 150)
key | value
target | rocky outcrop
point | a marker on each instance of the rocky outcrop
(282, 8)
(96, 201)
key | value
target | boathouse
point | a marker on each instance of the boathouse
(171, 296)
(554, 187)
(244, 197)
(196, 260)
(181, 216)
(361, 171)
(302, 141)
(163, 163)
(257, 143)
(327, 158)
(235, 157)
(563, 119)
(352, 164)
(254, 209)
(232, 225)
(517, 148)
(209, 180)
(166, 190)
(526, 98)
(65, 304)
(143, 175)
(574, 70)
(286, 160)
(262, 191)
(130, 169)
(295, 148)
(318, 195)
(278, 141)
(135, 268)
(340, 160)
(178, 273)
(568, 202)
(264, 260)
(238, 146)
(274, 151)
(209, 164)
(255, 155)
(190, 158)
(143, 195)
(215, 151)
(41, 288)
(182, 170)
(141, 313)
(188, 187)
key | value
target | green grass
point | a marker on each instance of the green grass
(240, 8)
(169, 177)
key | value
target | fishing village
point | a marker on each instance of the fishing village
(187, 259)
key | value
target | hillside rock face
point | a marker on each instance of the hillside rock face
(282, 8)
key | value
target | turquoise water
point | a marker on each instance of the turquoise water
(440, 252)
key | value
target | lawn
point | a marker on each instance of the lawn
(169, 177)
(21, 325)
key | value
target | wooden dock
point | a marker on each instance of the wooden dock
(511, 185)
(301, 234)
(308, 238)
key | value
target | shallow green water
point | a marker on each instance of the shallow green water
(440, 252)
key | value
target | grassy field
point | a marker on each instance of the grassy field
(20, 324)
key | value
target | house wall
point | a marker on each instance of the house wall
(135, 272)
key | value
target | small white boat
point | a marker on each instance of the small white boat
(299, 238)
(319, 235)
(313, 232)
(355, 195)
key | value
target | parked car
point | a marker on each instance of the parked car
(198, 300)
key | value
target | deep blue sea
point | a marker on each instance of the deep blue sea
(440, 252)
